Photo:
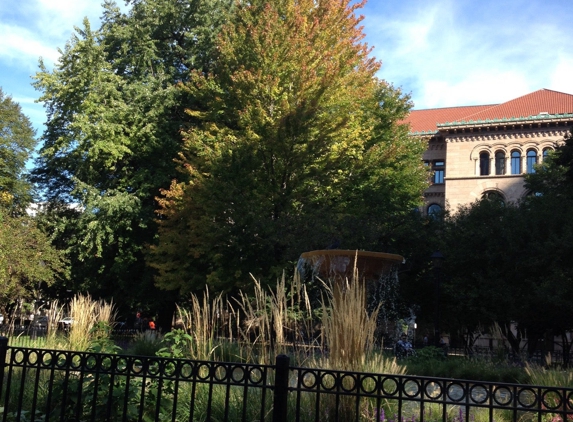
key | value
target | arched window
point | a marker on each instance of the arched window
(484, 164)
(515, 162)
(531, 161)
(495, 196)
(546, 152)
(500, 162)
(434, 211)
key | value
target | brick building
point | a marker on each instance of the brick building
(478, 151)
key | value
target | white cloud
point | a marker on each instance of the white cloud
(477, 88)
(24, 46)
(562, 77)
(462, 53)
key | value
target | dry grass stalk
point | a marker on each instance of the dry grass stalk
(85, 313)
(253, 324)
(347, 327)
(54, 314)
(201, 322)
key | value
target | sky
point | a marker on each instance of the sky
(442, 52)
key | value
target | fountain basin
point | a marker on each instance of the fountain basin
(339, 263)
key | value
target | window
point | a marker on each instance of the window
(484, 164)
(546, 152)
(439, 172)
(434, 211)
(531, 161)
(500, 163)
(494, 196)
(515, 162)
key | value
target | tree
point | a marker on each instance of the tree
(112, 133)
(28, 262)
(292, 143)
(555, 174)
(27, 259)
(510, 263)
(17, 142)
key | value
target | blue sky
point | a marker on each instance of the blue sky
(443, 52)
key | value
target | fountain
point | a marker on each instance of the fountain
(339, 264)
(378, 270)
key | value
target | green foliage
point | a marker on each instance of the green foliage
(17, 143)
(146, 343)
(113, 130)
(509, 263)
(427, 354)
(549, 376)
(554, 176)
(101, 341)
(292, 141)
(177, 344)
(27, 259)
(430, 361)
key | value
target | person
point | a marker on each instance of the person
(404, 347)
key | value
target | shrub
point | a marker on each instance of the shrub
(146, 343)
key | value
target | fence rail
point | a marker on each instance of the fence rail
(54, 385)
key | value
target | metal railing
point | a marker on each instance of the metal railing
(54, 385)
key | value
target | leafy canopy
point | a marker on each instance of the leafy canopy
(292, 142)
(17, 142)
(113, 130)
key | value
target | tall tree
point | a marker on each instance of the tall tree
(292, 143)
(17, 142)
(112, 133)
(27, 259)
(510, 264)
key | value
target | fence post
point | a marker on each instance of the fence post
(281, 388)
(3, 352)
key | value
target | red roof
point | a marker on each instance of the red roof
(426, 120)
(542, 101)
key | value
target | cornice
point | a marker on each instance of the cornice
(496, 136)
(540, 118)
(492, 125)
(434, 194)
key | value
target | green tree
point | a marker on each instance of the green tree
(112, 133)
(28, 262)
(510, 264)
(554, 175)
(17, 142)
(292, 144)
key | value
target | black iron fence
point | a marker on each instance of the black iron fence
(54, 385)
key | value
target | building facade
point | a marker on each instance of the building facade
(479, 151)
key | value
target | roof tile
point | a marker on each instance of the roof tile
(541, 101)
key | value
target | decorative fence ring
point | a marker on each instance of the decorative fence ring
(484, 393)
(548, 404)
(238, 373)
(203, 371)
(415, 391)
(328, 381)
(498, 393)
(368, 384)
(305, 377)
(437, 393)
(392, 382)
(344, 383)
(256, 376)
(220, 372)
(523, 394)
(452, 391)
